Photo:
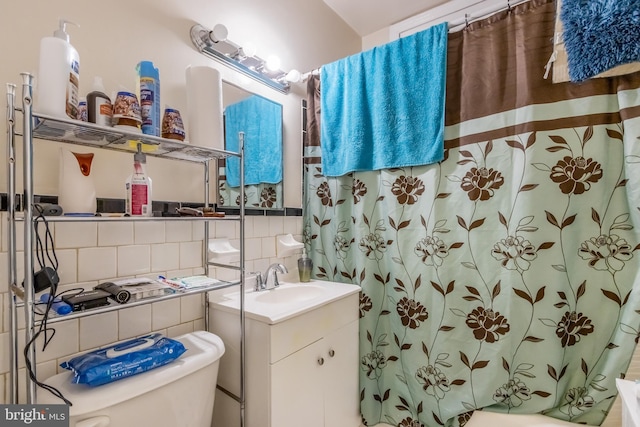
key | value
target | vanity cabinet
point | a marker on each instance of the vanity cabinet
(317, 386)
(301, 371)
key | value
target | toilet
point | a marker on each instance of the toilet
(180, 393)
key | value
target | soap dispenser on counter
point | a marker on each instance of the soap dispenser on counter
(138, 186)
(305, 265)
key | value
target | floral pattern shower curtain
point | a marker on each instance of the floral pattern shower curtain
(503, 277)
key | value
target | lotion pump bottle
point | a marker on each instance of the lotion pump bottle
(58, 78)
(305, 265)
(138, 186)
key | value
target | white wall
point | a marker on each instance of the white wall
(114, 36)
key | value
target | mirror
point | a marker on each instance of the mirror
(261, 121)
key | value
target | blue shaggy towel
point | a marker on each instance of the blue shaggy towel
(261, 121)
(599, 35)
(384, 108)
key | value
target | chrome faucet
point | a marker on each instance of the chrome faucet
(262, 282)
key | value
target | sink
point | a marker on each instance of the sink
(287, 300)
(289, 293)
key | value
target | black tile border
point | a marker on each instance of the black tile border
(106, 205)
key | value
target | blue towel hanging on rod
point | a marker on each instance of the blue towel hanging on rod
(384, 108)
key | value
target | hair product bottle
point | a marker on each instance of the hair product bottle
(58, 76)
(138, 186)
(99, 108)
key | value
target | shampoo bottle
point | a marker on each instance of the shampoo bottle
(99, 109)
(305, 265)
(58, 76)
(149, 96)
(138, 186)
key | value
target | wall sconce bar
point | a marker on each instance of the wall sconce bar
(231, 54)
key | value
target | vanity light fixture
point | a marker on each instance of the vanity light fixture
(214, 44)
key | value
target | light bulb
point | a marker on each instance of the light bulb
(273, 63)
(219, 33)
(293, 76)
(249, 49)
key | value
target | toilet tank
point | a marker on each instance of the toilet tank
(180, 393)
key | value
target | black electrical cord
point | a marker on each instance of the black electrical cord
(41, 253)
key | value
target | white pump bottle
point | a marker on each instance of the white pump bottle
(58, 79)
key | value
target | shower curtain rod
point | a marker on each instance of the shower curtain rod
(453, 25)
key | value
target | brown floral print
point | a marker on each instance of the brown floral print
(267, 197)
(575, 175)
(464, 418)
(373, 245)
(572, 326)
(407, 189)
(431, 251)
(410, 422)
(513, 393)
(411, 312)
(358, 190)
(579, 401)
(373, 363)
(434, 381)
(514, 253)
(606, 252)
(487, 325)
(324, 193)
(341, 245)
(365, 304)
(480, 183)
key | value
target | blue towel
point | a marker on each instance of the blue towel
(384, 108)
(261, 121)
(599, 35)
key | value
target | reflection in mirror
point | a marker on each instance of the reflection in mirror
(261, 121)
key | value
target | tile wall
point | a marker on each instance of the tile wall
(92, 252)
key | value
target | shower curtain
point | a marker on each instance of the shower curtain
(502, 278)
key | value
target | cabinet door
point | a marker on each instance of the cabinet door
(297, 392)
(342, 397)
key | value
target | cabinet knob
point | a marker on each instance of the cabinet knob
(332, 353)
(320, 361)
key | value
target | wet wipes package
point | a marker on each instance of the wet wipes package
(124, 359)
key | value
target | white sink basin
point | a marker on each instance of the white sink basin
(286, 301)
(289, 294)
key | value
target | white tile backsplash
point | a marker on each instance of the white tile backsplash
(134, 260)
(181, 329)
(165, 314)
(176, 231)
(115, 233)
(134, 321)
(147, 232)
(96, 263)
(75, 234)
(98, 330)
(165, 257)
(190, 254)
(67, 265)
(89, 253)
(276, 225)
(191, 307)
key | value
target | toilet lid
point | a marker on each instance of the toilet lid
(203, 349)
